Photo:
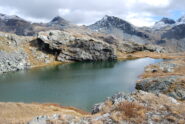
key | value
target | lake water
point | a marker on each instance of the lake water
(78, 84)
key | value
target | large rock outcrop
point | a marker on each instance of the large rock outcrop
(75, 47)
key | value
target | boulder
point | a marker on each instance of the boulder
(169, 85)
(12, 61)
(131, 47)
(73, 47)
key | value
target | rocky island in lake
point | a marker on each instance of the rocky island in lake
(109, 72)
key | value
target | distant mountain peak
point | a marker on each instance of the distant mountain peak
(110, 21)
(163, 23)
(112, 18)
(181, 19)
(59, 21)
(107, 17)
(167, 20)
(117, 26)
(8, 17)
(15, 24)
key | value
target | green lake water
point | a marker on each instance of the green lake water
(78, 84)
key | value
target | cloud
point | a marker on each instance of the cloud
(156, 3)
(141, 19)
(138, 12)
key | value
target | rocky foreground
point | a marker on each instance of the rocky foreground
(134, 108)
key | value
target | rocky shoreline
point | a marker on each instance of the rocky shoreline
(161, 101)
(166, 77)
(52, 47)
(163, 84)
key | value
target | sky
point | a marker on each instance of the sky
(137, 12)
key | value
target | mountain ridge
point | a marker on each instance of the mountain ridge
(17, 25)
(166, 32)
(115, 25)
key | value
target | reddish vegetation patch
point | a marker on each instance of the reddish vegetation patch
(129, 111)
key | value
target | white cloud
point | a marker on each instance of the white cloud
(13, 11)
(8, 10)
(156, 3)
(138, 12)
(64, 12)
(140, 19)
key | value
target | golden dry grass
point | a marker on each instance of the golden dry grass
(178, 70)
(144, 54)
(16, 113)
(4, 45)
